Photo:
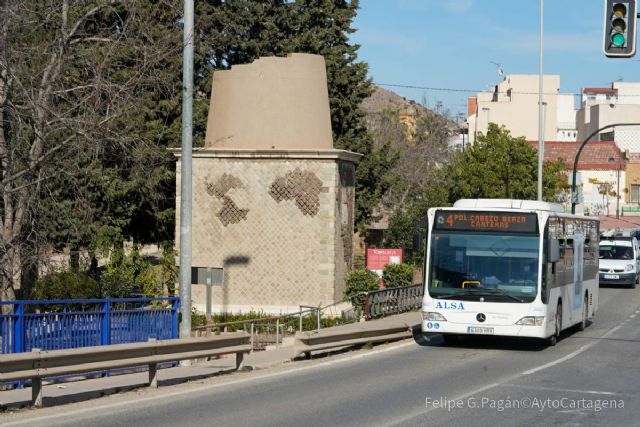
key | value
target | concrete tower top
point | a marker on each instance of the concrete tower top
(273, 103)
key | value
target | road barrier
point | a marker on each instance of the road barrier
(392, 301)
(65, 324)
(39, 364)
(306, 342)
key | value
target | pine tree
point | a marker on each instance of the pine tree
(239, 31)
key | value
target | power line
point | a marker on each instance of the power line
(446, 89)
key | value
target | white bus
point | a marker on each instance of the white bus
(509, 267)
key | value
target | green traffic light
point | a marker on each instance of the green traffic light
(617, 40)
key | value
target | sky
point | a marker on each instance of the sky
(453, 45)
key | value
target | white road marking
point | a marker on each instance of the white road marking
(572, 354)
(164, 396)
(458, 398)
(564, 390)
(191, 390)
(516, 376)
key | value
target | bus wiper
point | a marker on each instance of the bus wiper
(458, 294)
(479, 293)
(500, 292)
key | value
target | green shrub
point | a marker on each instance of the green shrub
(65, 285)
(397, 275)
(197, 318)
(289, 323)
(357, 283)
(129, 275)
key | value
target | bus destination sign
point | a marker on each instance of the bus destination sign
(487, 221)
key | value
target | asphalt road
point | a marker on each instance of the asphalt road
(589, 378)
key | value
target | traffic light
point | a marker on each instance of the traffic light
(619, 39)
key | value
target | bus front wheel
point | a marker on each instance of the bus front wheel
(449, 339)
(585, 314)
(553, 339)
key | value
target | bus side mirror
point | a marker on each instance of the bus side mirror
(554, 250)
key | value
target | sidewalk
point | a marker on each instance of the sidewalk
(74, 391)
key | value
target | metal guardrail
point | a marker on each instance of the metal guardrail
(39, 364)
(271, 330)
(60, 324)
(306, 342)
(392, 301)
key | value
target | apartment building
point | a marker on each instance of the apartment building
(514, 104)
(604, 106)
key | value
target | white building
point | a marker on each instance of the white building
(514, 104)
(601, 107)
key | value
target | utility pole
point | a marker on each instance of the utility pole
(185, 172)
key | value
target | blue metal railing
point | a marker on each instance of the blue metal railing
(60, 324)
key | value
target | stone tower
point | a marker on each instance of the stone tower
(273, 202)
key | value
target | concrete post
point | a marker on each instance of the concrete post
(239, 359)
(36, 392)
(153, 375)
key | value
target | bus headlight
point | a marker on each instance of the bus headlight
(629, 267)
(531, 321)
(433, 317)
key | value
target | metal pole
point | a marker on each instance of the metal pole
(300, 318)
(208, 306)
(540, 98)
(318, 314)
(618, 191)
(575, 162)
(185, 172)
(252, 341)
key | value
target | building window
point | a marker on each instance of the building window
(606, 136)
(635, 193)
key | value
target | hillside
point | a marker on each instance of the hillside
(408, 111)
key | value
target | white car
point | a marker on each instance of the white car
(619, 261)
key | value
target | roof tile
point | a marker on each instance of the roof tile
(595, 154)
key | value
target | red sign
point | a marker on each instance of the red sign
(378, 258)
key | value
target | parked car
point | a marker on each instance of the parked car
(619, 260)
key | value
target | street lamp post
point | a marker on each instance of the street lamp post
(575, 162)
(618, 191)
(540, 104)
(185, 172)
(617, 162)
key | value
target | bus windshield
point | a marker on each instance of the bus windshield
(501, 267)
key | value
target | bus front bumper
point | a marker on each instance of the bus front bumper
(447, 327)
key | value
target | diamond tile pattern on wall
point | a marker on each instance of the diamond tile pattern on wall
(302, 186)
(274, 254)
(230, 212)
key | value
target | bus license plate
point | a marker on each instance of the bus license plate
(611, 276)
(479, 330)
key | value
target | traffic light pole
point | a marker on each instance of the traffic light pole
(575, 162)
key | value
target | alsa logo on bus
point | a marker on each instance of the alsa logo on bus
(450, 305)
